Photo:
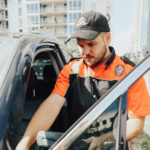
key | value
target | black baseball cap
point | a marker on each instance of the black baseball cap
(89, 25)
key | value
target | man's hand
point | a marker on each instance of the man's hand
(42, 120)
(97, 142)
(23, 144)
(94, 142)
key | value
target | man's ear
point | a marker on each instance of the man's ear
(108, 38)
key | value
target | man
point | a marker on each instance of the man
(99, 62)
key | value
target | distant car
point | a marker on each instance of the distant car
(29, 66)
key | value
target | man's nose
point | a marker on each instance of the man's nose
(86, 50)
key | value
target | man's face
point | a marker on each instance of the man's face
(95, 51)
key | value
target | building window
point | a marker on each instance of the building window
(19, 2)
(70, 17)
(36, 21)
(74, 17)
(20, 11)
(65, 18)
(32, 8)
(45, 19)
(44, 8)
(65, 6)
(36, 8)
(20, 23)
(70, 5)
(33, 20)
(79, 4)
(78, 15)
(30, 20)
(71, 28)
(74, 4)
(65, 30)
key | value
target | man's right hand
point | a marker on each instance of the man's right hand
(42, 120)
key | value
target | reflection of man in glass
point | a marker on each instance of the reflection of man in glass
(78, 82)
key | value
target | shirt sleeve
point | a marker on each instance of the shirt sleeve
(138, 100)
(62, 82)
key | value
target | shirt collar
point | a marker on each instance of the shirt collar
(111, 58)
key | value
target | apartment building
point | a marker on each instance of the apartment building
(53, 17)
(23, 15)
(56, 17)
(3, 15)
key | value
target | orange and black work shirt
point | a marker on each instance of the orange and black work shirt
(138, 104)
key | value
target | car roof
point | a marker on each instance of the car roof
(39, 38)
(43, 37)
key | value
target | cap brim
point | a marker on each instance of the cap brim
(84, 34)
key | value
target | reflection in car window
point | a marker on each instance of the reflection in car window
(8, 48)
(102, 134)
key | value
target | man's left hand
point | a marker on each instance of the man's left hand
(96, 142)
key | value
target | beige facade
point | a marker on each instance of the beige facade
(53, 17)
(3, 16)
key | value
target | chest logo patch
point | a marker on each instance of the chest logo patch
(119, 70)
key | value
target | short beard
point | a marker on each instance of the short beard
(99, 61)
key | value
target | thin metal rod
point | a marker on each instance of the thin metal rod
(118, 124)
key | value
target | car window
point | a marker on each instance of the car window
(103, 133)
(38, 66)
(106, 132)
(7, 52)
(42, 79)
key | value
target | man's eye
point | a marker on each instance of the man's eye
(90, 44)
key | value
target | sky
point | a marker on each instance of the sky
(123, 12)
(122, 25)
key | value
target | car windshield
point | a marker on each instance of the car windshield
(8, 48)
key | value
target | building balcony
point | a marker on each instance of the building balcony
(2, 6)
(53, 24)
(62, 36)
(3, 27)
(53, 1)
(3, 18)
(52, 12)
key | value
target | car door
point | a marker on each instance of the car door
(16, 86)
(46, 65)
(13, 92)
